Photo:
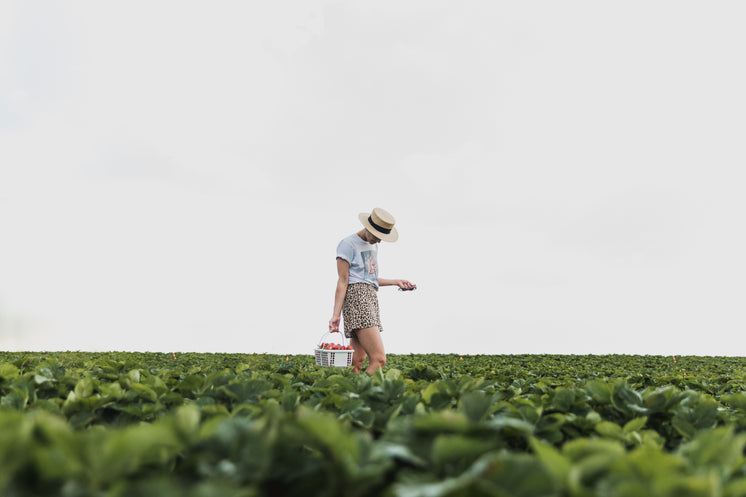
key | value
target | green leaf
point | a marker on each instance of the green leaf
(563, 399)
(553, 460)
(186, 422)
(736, 400)
(215, 410)
(81, 419)
(428, 392)
(735, 488)
(84, 388)
(476, 405)
(145, 392)
(112, 391)
(400, 452)
(8, 370)
(458, 448)
(609, 429)
(528, 411)
(625, 399)
(448, 486)
(326, 433)
(696, 412)
(650, 463)
(15, 399)
(243, 367)
(39, 379)
(289, 400)
(446, 421)
(46, 405)
(134, 375)
(582, 448)
(511, 425)
(191, 384)
(501, 474)
(393, 374)
(718, 448)
(661, 399)
(124, 452)
(635, 424)
(600, 391)
(363, 416)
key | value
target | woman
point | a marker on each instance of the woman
(355, 297)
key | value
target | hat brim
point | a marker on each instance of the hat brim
(390, 237)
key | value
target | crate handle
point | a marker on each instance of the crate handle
(323, 337)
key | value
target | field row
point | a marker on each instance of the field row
(204, 424)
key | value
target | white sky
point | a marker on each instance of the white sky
(566, 176)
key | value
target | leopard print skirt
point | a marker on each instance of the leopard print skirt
(360, 308)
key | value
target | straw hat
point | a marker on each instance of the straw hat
(380, 223)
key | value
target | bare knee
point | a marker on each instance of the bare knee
(357, 362)
(377, 361)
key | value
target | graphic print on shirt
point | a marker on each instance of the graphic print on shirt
(371, 265)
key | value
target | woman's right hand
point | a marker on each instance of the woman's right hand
(334, 324)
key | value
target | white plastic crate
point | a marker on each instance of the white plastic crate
(337, 358)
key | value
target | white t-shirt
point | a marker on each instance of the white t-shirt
(362, 257)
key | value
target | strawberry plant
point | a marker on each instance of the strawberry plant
(75, 423)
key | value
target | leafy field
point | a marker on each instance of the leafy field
(147, 424)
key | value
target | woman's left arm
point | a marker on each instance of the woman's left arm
(403, 284)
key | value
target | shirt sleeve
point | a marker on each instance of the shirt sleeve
(346, 251)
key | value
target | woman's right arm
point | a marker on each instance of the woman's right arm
(343, 272)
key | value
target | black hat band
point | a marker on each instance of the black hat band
(382, 230)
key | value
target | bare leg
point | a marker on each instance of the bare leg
(368, 340)
(358, 357)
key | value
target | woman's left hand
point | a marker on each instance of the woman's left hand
(405, 285)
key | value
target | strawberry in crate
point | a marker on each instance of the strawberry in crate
(335, 346)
